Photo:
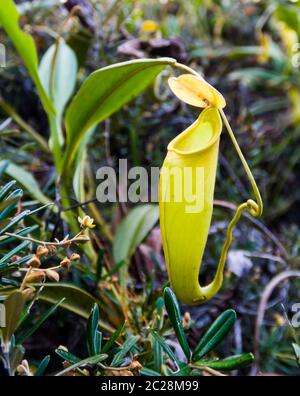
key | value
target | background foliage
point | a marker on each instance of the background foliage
(250, 51)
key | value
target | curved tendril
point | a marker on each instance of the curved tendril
(187, 68)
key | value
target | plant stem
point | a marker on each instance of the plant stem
(64, 242)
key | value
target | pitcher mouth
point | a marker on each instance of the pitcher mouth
(200, 135)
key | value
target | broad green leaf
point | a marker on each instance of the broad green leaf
(58, 73)
(85, 362)
(133, 230)
(62, 60)
(215, 334)
(9, 20)
(173, 310)
(27, 181)
(14, 305)
(103, 93)
(289, 15)
(76, 300)
(93, 343)
(229, 363)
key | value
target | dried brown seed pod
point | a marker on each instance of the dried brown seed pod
(34, 262)
(65, 263)
(41, 251)
(35, 276)
(52, 275)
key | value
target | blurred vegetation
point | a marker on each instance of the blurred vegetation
(250, 51)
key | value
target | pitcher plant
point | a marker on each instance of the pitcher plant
(186, 189)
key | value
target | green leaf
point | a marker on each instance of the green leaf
(103, 93)
(93, 344)
(76, 300)
(58, 73)
(27, 181)
(67, 356)
(13, 252)
(8, 186)
(165, 347)
(125, 348)
(14, 305)
(10, 203)
(148, 372)
(23, 337)
(23, 232)
(62, 60)
(85, 362)
(296, 349)
(288, 15)
(133, 230)
(215, 334)
(173, 310)
(42, 366)
(114, 337)
(15, 221)
(157, 356)
(229, 363)
(9, 19)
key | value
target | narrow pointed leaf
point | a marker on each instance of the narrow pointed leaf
(215, 334)
(42, 366)
(125, 348)
(92, 334)
(229, 363)
(67, 356)
(82, 363)
(173, 310)
(114, 338)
